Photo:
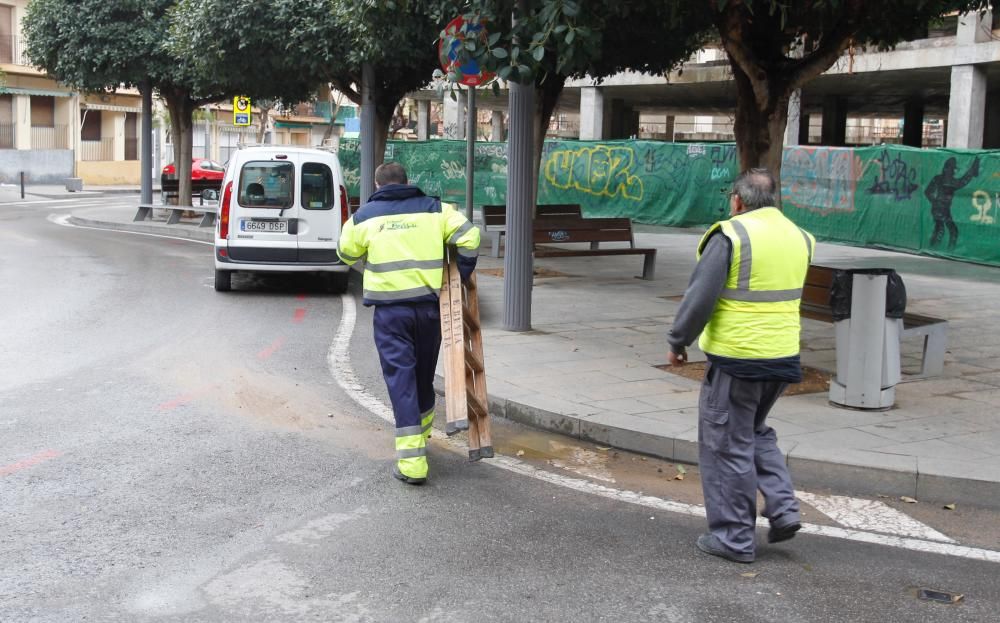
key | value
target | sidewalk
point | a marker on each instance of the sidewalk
(587, 369)
(12, 192)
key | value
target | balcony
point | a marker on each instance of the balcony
(49, 137)
(12, 50)
(6, 136)
(97, 151)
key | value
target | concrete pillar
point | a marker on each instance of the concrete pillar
(793, 131)
(967, 107)
(991, 129)
(834, 121)
(65, 111)
(454, 118)
(423, 120)
(913, 123)
(591, 114)
(496, 126)
(113, 127)
(967, 104)
(22, 121)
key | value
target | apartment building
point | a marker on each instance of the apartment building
(50, 132)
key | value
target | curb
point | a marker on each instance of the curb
(808, 472)
(141, 228)
(842, 477)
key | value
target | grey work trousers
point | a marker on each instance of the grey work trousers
(738, 454)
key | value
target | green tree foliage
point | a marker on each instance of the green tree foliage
(318, 41)
(101, 45)
(550, 41)
(777, 46)
(774, 46)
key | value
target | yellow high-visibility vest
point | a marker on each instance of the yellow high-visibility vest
(757, 314)
(403, 246)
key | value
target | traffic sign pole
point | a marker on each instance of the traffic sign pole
(470, 153)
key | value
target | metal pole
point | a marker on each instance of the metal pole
(146, 156)
(517, 261)
(367, 133)
(470, 152)
(22, 184)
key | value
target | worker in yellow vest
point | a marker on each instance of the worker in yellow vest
(401, 233)
(743, 300)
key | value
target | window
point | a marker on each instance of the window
(267, 185)
(317, 186)
(43, 111)
(90, 125)
(209, 165)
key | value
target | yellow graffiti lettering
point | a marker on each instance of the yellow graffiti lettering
(602, 170)
(982, 203)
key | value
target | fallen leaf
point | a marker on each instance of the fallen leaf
(957, 598)
(642, 458)
(907, 499)
(949, 507)
(520, 453)
(602, 448)
(679, 477)
(659, 470)
(750, 574)
(883, 496)
(681, 469)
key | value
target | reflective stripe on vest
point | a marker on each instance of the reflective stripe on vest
(757, 315)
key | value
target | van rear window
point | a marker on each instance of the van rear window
(267, 185)
(317, 186)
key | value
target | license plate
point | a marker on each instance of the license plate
(265, 227)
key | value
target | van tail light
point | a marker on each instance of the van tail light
(227, 197)
(345, 211)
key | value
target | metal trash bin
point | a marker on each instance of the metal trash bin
(868, 307)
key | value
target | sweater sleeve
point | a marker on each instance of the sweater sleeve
(707, 282)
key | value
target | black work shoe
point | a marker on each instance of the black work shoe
(710, 544)
(777, 535)
(398, 475)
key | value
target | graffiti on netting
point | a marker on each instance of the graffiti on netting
(895, 177)
(822, 180)
(603, 170)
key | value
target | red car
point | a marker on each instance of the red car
(201, 169)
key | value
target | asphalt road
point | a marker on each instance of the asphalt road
(171, 453)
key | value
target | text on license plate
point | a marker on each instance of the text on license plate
(268, 227)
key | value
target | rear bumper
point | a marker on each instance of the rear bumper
(279, 260)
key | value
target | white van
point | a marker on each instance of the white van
(281, 211)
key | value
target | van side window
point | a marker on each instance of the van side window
(267, 185)
(317, 186)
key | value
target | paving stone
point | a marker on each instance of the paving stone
(933, 449)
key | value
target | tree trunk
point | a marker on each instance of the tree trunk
(181, 108)
(760, 122)
(265, 114)
(385, 107)
(546, 97)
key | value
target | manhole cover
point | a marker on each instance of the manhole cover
(813, 381)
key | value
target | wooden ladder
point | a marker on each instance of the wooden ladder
(464, 368)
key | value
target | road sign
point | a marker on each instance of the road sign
(241, 110)
(471, 73)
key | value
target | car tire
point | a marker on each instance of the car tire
(336, 283)
(223, 280)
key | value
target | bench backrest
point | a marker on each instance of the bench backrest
(496, 215)
(816, 290)
(550, 229)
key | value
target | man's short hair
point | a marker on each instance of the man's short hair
(390, 173)
(756, 188)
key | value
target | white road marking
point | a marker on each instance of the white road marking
(870, 515)
(343, 374)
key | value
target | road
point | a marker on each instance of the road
(172, 453)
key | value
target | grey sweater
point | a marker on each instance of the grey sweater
(707, 282)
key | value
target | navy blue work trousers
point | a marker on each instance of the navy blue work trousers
(408, 339)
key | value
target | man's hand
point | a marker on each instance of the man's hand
(676, 359)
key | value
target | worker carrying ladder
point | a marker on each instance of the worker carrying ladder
(466, 406)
